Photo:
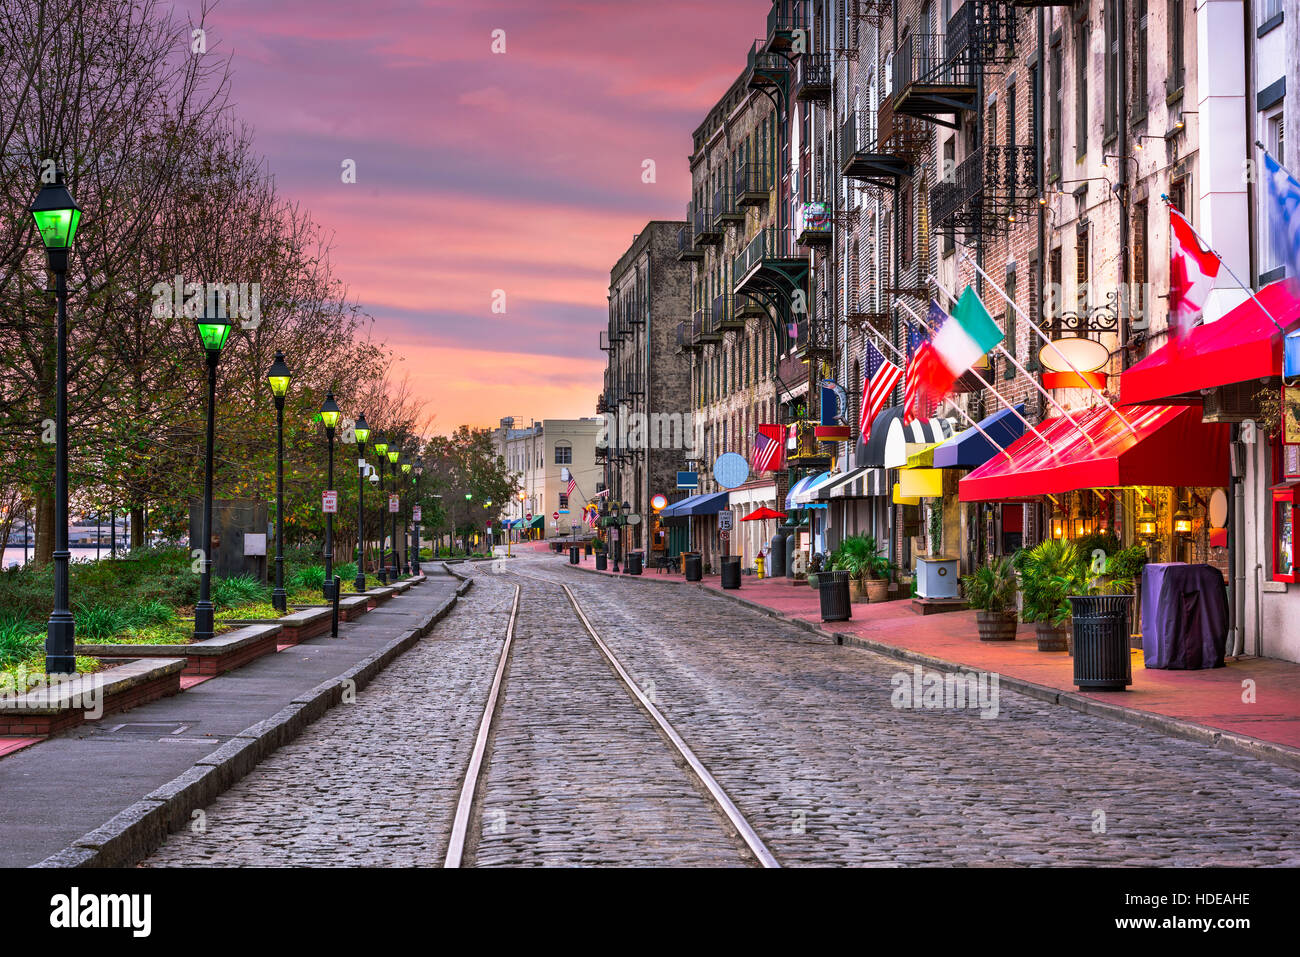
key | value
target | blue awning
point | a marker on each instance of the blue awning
(970, 449)
(703, 504)
(795, 489)
(670, 510)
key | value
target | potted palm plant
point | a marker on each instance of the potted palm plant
(991, 591)
(860, 556)
(1050, 572)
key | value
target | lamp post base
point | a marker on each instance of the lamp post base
(203, 615)
(280, 600)
(60, 658)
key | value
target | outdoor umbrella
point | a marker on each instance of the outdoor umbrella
(761, 513)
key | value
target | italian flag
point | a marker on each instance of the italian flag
(966, 336)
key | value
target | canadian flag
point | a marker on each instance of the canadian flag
(1192, 268)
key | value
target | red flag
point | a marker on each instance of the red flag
(768, 445)
(1192, 270)
(926, 376)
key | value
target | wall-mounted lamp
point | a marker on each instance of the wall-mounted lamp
(1146, 523)
(1182, 520)
(1058, 528)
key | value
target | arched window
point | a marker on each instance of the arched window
(563, 453)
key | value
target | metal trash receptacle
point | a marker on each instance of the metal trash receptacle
(1102, 660)
(730, 571)
(574, 555)
(694, 566)
(833, 588)
(634, 563)
(602, 561)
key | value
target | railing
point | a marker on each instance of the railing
(857, 135)
(813, 223)
(724, 312)
(768, 243)
(765, 69)
(632, 384)
(753, 182)
(697, 325)
(705, 230)
(683, 339)
(994, 176)
(812, 75)
(724, 205)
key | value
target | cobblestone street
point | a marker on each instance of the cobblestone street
(800, 732)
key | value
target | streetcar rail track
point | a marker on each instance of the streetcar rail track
(471, 784)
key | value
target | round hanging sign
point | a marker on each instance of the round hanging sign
(1218, 509)
(659, 501)
(731, 470)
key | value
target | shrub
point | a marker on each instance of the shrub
(346, 570)
(99, 622)
(1127, 562)
(860, 556)
(1050, 572)
(992, 586)
(311, 577)
(235, 590)
(19, 639)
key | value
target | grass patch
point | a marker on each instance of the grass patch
(261, 609)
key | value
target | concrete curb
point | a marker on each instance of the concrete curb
(1174, 727)
(140, 829)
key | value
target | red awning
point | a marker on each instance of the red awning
(1240, 346)
(1170, 446)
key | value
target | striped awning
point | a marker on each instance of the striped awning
(887, 445)
(808, 494)
(860, 483)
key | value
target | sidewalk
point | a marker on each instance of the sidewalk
(1189, 703)
(59, 790)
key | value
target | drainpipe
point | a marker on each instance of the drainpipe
(1121, 69)
(1234, 492)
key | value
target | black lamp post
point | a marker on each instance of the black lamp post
(381, 450)
(622, 536)
(379, 573)
(57, 216)
(406, 522)
(214, 330)
(329, 414)
(278, 376)
(419, 471)
(362, 431)
(394, 570)
(469, 497)
(618, 530)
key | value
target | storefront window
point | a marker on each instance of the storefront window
(1285, 501)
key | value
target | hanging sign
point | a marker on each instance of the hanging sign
(659, 502)
(731, 470)
(392, 503)
(1291, 414)
(688, 480)
(416, 514)
(330, 502)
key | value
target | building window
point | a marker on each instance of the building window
(949, 169)
(905, 224)
(1139, 108)
(1110, 32)
(1178, 194)
(1009, 372)
(1055, 294)
(563, 455)
(1081, 90)
(1081, 271)
(564, 500)
(1056, 104)
(1174, 80)
(1141, 255)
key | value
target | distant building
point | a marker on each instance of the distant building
(536, 456)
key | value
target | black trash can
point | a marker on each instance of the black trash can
(602, 561)
(586, 548)
(573, 555)
(1101, 634)
(730, 571)
(633, 566)
(833, 588)
(694, 567)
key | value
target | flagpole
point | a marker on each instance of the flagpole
(1025, 372)
(984, 382)
(1250, 292)
(1052, 345)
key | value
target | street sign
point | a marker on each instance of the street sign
(724, 521)
(613, 533)
(528, 517)
(688, 480)
(489, 528)
(555, 516)
(660, 501)
(392, 503)
(330, 502)
(416, 513)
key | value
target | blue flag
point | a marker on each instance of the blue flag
(1283, 215)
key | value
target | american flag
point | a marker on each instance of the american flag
(882, 376)
(573, 484)
(918, 349)
(589, 515)
(767, 448)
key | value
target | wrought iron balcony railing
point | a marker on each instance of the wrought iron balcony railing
(706, 230)
(725, 315)
(764, 70)
(753, 184)
(604, 340)
(725, 209)
(813, 224)
(986, 189)
(784, 21)
(686, 250)
(812, 76)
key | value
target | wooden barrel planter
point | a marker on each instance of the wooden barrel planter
(877, 589)
(996, 626)
(1052, 637)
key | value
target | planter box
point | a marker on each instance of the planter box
(212, 657)
(299, 625)
(46, 711)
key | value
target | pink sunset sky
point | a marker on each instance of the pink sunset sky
(479, 171)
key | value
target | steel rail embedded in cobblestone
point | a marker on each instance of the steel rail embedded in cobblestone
(709, 782)
(464, 806)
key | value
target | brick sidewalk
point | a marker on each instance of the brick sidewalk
(1212, 698)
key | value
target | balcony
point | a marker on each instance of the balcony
(707, 232)
(937, 74)
(724, 315)
(812, 77)
(784, 21)
(746, 307)
(725, 210)
(987, 191)
(704, 329)
(686, 250)
(684, 343)
(771, 260)
(633, 384)
(880, 148)
(813, 225)
(602, 404)
(753, 184)
(766, 71)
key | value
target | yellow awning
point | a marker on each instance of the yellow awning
(921, 483)
(921, 455)
(901, 500)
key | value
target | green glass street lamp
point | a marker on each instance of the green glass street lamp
(418, 469)
(362, 431)
(214, 330)
(381, 452)
(394, 453)
(329, 414)
(57, 216)
(278, 377)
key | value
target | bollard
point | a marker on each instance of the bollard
(334, 620)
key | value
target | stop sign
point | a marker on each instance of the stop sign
(555, 516)
(528, 517)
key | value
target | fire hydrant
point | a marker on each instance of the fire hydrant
(758, 563)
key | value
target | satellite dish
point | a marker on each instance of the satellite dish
(731, 470)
